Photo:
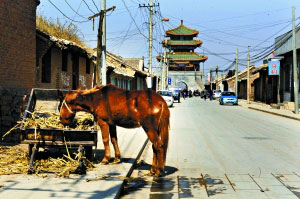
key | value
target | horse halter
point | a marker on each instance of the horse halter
(64, 103)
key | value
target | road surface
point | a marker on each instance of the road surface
(224, 152)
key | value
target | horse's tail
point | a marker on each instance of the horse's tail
(164, 125)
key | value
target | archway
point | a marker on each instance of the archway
(182, 85)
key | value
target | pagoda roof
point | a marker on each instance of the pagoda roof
(182, 30)
(182, 42)
(184, 57)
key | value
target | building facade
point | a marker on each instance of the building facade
(183, 61)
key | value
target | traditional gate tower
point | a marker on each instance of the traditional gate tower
(184, 63)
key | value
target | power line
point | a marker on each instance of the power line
(66, 15)
(76, 12)
(88, 7)
(96, 6)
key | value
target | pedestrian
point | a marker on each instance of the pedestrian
(210, 94)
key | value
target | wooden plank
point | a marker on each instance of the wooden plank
(59, 143)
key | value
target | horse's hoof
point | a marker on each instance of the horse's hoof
(116, 161)
(152, 171)
(104, 162)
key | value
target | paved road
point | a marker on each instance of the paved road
(225, 152)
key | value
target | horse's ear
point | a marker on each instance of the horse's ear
(60, 95)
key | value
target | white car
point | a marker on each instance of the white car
(217, 94)
(168, 97)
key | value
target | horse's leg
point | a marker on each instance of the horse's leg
(105, 138)
(154, 161)
(114, 141)
(158, 153)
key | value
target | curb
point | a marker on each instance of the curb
(131, 169)
(286, 116)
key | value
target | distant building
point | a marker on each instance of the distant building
(284, 47)
(182, 59)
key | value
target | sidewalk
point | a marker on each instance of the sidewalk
(104, 181)
(268, 109)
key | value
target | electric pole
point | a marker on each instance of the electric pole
(236, 72)
(101, 44)
(150, 6)
(295, 71)
(210, 78)
(248, 77)
(164, 72)
(217, 78)
(103, 50)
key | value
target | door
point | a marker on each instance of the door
(75, 71)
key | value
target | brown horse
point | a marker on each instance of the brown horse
(113, 106)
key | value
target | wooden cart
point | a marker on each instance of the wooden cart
(47, 100)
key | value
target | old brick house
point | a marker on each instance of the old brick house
(17, 57)
(62, 64)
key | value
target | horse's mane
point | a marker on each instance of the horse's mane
(93, 90)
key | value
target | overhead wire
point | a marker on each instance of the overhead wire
(65, 14)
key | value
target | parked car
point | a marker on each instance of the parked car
(216, 94)
(228, 97)
(196, 93)
(168, 97)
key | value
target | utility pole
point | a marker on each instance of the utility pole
(295, 65)
(248, 77)
(217, 78)
(150, 6)
(210, 78)
(101, 44)
(236, 72)
(164, 69)
(103, 50)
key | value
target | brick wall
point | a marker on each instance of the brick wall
(17, 43)
(17, 58)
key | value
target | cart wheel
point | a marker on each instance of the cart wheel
(88, 152)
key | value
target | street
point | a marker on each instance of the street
(225, 152)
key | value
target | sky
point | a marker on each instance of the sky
(224, 26)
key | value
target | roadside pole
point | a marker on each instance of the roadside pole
(103, 49)
(217, 78)
(248, 77)
(210, 78)
(295, 71)
(236, 72)
(100, 77)
(165, 68)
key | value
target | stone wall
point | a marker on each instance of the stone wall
(12, 105)
(194, 80)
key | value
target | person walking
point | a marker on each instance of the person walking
(210, 94)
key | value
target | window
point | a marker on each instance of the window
(46, 67)
(88, 66)
(64, 61)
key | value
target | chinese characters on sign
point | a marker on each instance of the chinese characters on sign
(274, 67)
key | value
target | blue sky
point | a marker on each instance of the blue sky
(223, 25)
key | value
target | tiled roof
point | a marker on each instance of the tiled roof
(183, 42)
(182, 30)
(182, 56)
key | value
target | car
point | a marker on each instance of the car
(168, 96)
(216, 94)
(228, 97)
(196, 93)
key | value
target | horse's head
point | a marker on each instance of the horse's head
(67, 106)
